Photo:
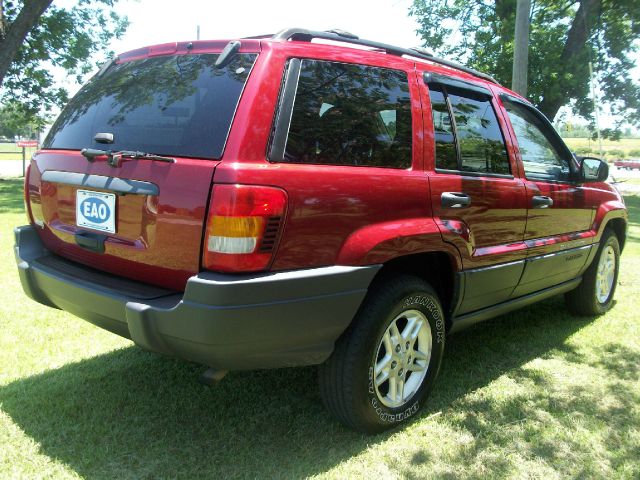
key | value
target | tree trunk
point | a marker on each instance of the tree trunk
(580, 31)
(16, 32)
(521, 48)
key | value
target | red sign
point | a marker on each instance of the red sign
(27, 143)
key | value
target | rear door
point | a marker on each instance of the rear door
(477, 201)
(141, 218)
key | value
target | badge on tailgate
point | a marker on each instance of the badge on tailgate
(96, 210)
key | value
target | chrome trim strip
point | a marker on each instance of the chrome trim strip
(114, 184)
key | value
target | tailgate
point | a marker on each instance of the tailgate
(158, 214)
(142, 216)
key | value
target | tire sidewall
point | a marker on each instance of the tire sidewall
(427, 303)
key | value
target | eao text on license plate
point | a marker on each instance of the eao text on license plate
(96, 210)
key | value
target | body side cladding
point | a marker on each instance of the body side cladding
(502, 288)
(488, 286)
(463, 321)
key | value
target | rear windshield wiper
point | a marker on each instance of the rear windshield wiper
(114, 158)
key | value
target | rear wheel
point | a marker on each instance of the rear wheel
(384, 365)
(594, 296)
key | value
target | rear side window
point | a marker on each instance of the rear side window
(467, 134)
(171, 105)
(346, 114)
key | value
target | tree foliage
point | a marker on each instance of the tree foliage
(36, 38)
(16, 122)
(564, 37)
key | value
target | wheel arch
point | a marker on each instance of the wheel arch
(612, 214)
(436, 268)
(619, 227)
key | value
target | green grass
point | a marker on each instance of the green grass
(533, 394)
(10, 151)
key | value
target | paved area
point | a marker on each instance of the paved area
(620, 178)
(11, 168)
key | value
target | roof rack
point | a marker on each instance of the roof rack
(305, 35)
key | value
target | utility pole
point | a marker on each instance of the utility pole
(521, 48)
(198, 33)
(595, 107)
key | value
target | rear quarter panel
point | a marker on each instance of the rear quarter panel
(336, 214)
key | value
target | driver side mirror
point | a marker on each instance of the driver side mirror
(593, 169)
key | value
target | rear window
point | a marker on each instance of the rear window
(173, 105)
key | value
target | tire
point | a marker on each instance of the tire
(349, 386)
(594, 296)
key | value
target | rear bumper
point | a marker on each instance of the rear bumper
(229, 322)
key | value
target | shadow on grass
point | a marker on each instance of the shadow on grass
(11, 195)
(555, 413)
(131, 413)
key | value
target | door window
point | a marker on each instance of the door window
(467, 134)
(543, 158)
(446, 153)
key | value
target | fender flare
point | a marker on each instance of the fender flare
(381, 242)
(606, 212)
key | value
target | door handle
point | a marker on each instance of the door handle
(455, 200)
(540, 201)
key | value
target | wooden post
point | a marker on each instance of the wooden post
(521, 48)
(24, 159)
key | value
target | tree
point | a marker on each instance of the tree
(15, 122)
(37, 37)
(565, 35)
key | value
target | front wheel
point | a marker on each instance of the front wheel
(594, 296)
(385, 363)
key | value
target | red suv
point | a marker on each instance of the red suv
(283, 200)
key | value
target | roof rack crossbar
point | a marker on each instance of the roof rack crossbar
(305, 35)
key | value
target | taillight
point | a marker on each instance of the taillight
(25, 193)
(243, 227)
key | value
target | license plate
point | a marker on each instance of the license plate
(96, 210)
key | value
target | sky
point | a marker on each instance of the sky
(161, 21)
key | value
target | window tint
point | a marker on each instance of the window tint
(479, 138)
(481, 144)
(171, 105)
(347, 114)
(542, 159)
(446, 155)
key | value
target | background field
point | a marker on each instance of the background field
(623, 148)
(630, 147)
(533, 394)
(10, 151)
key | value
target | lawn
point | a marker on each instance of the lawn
(533, 394)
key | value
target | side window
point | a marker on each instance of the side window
(542, 157)
(480, 146)
(346, 114)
